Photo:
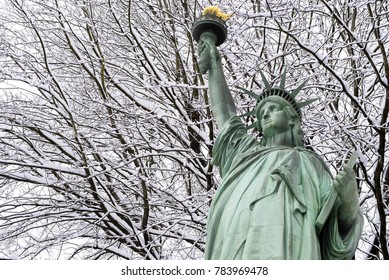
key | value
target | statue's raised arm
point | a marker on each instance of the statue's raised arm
(223, 106)
(210, 31)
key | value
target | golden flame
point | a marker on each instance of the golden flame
(215, 10)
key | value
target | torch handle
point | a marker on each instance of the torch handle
(204, 61)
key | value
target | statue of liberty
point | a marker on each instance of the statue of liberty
(277, 199)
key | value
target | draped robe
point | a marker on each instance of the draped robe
(268, 202)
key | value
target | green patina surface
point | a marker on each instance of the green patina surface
(277, 200)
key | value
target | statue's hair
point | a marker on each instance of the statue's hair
(295, 132)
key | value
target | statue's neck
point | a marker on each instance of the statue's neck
(281, 139)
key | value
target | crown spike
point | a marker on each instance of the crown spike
(265, 81)
(250, 93)
(306, 103)
(283, 80)
(296, 91)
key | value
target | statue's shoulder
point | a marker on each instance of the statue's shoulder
(314, 158)
(234, 131)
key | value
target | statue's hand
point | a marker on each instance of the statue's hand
(346, 185)
(209, 55)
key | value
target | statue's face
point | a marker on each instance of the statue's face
(273, 118)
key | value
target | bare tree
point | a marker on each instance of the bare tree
(106, 154)
(108, 157)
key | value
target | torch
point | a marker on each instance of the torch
(211, 26)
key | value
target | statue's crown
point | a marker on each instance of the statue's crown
(280, 91)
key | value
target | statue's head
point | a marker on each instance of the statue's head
(278, 113)
(276, 116)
